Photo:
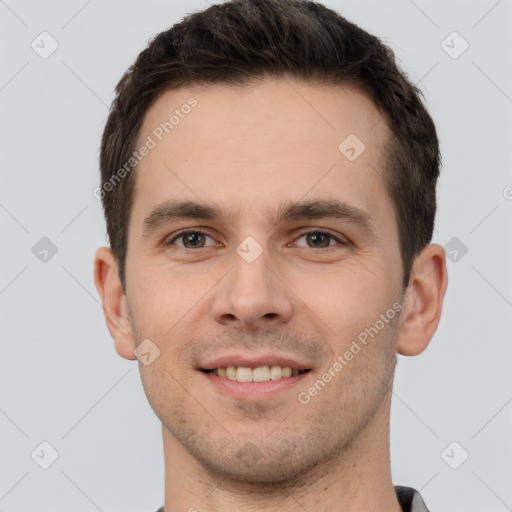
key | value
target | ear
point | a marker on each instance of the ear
(115, 308)
(423, 300)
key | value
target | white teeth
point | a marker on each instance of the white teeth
(230, 373)
(243, 374)
(276, 372)
(259, 374)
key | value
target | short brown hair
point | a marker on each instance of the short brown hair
(241, 41)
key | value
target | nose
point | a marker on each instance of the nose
(252, 296)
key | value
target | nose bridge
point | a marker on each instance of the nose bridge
(252, 294)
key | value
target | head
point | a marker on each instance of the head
(260, 119)
(242, 42)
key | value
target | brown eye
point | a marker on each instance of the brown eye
(319, 240)
(190, 240)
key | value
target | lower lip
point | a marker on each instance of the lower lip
(253, 390)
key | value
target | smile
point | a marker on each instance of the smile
(263, 373)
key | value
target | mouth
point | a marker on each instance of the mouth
(259, 374)
(249, 379)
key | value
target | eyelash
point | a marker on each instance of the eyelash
(300, 235)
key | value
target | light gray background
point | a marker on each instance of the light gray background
(61, 380)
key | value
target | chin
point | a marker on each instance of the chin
(282, 463)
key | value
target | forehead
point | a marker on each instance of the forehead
(252, 147)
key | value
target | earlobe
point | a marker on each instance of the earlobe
(115, 310)
(423, 301)
(125, 345)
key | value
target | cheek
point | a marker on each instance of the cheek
(164, 392)
(349, 297)
(161, 296)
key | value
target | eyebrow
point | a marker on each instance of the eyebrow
(173, 209)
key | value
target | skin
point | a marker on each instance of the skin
(249, 149)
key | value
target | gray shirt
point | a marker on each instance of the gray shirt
(410, 500)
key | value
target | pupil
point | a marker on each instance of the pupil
(317, 238)
(193, 238)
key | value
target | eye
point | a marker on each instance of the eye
(194, 239)
(191, 239)
(320, 240)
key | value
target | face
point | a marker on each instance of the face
(257, 241)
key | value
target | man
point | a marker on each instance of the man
(268, 179)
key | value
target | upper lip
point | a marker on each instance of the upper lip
(254, 361)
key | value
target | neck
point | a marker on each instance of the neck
(355, 479)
